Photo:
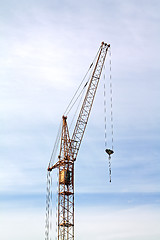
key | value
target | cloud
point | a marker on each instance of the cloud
(22, 224)
(97, 217)
(134, 223)
(46, 49)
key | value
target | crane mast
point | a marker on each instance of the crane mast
(69, 148)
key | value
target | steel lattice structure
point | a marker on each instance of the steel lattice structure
(68, 153)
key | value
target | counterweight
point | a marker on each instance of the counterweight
(68, 153)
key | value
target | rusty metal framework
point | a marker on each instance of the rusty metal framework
(88, 100)
(68, 152)
(66, 187)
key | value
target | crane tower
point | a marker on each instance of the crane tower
(69, 147)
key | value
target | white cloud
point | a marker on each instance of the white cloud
(100, 222)
(104, 223)
(46, 50)
(26, 224)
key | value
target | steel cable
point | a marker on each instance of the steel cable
(68, 107)
(111, 113)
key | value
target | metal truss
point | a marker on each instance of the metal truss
(88, 100)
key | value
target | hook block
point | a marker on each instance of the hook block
(109, 151)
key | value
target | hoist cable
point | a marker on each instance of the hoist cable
(105, 118)
(77, 108)
(50, 205)
(81, 94)
(55, 147)
(111, 110)
(47, 224)
(111, 98)
(65, 113)
(111, 115)
(77, 97)
(68, 107)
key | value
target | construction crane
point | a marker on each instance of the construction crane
(69, 147)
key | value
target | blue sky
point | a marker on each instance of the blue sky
(46, 49)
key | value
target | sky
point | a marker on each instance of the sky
(46, 47)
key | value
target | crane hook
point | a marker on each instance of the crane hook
(109, 151)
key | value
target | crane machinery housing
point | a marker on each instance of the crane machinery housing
(69, 147)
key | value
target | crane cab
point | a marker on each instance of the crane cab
(65, 177)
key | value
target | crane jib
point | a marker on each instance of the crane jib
(88, 100)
